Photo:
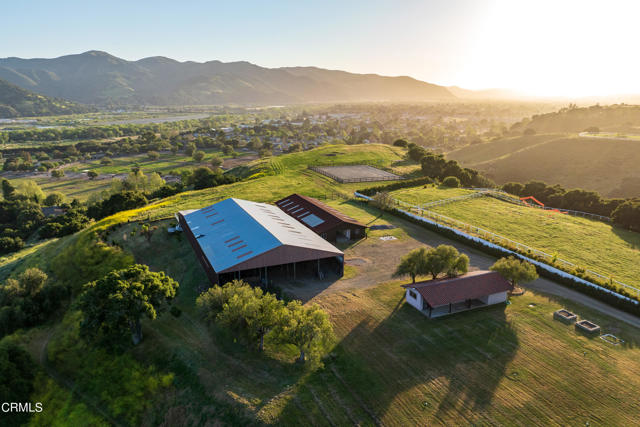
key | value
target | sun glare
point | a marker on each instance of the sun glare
(557, 48)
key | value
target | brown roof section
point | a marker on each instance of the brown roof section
(301, 207)
(472, 285)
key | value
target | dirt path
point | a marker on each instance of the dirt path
(376, 260)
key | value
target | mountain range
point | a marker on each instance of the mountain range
(18, 102)
(99, 78)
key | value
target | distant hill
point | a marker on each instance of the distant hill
(483, 93)
(604, 165)
(18, 102)
(99, 78)
(619, 117)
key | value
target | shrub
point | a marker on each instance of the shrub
(451, 181)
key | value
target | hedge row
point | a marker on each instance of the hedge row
(397, 185)
(600, 294)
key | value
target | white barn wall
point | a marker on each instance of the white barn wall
(416, 302)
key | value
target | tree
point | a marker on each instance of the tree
(54, 199)
(445, 259)
(529, 131)
(147, 231)
(153, 155)
(251, 312)
(451, 181)
(8, 190)
(400, 143)
(31, 281)
(628, 215)
(515, 271)
(190, 149)
(57, 173)
(198, 156)
(18, 371)
(216, 162)
(383, 200)
(307, 328)
(92, 174)
(31, 190)
(412, 264)
(114, 305)
(106, 161)
(211, 301)
(423, 261)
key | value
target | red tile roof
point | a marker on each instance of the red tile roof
(472, 285)
(301, 207)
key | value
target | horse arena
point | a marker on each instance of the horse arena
(355, 173)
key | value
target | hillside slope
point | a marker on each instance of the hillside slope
(17, 102)
(603, 165)
(97, 77)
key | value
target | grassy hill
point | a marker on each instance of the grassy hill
(504, 365)
(618, 117)
(596, 245)
(18, 102)
(602, 165)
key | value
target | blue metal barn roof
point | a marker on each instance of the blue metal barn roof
(233, 231)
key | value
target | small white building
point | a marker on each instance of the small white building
(440, 297)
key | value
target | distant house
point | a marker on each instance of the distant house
(329, 223)
(441, 297)
(49, 211)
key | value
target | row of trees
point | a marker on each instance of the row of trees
(253, 315)
(624, 212)
(436, 166)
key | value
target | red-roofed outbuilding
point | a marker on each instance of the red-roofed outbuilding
(440, 297)
(326, 221)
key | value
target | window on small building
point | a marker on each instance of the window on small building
(413, 294)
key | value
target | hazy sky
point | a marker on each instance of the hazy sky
(539, 47)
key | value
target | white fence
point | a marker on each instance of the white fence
(487, 236)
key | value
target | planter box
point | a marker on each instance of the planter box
(588, 328)
(565, 316)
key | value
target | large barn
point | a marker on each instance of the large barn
(256, 242)
(322, 219)
(441, 297)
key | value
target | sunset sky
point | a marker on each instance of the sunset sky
(546, 48)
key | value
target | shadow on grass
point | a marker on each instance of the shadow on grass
(411, 369)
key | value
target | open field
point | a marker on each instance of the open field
(505, 365)
(509, 364)
(596, 164)
(76, 184)
(428, 193)
(599, 246)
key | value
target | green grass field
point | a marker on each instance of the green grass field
(428, 193)
(596, 245)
